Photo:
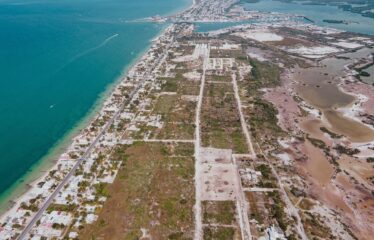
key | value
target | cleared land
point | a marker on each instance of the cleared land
(153, 194)
(220, 118)
(219, 218)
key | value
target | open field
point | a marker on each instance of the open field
(220, 119)
(153, 194)
(219, 219)
(177, 116)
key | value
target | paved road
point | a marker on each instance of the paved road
(49, 200)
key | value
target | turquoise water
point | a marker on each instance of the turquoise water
(56, 59)
(318, 13)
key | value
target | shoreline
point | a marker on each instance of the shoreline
(20, 189)
(39, 169)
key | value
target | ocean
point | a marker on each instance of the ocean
(58, 59)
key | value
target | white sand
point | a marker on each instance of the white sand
(261, 35)
(348, 45)
(313, 52)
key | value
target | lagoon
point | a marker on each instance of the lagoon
(318, 13)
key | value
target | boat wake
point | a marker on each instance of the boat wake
(76, 57)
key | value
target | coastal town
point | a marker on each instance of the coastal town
(256, 131)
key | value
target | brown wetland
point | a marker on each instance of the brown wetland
(319, 168)
(354, 130)
(319, 87)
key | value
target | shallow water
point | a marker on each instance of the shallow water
(370, 79)
(354, 130)
(318, 13)
(318, 166)
(312, 127)
(318, 87)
